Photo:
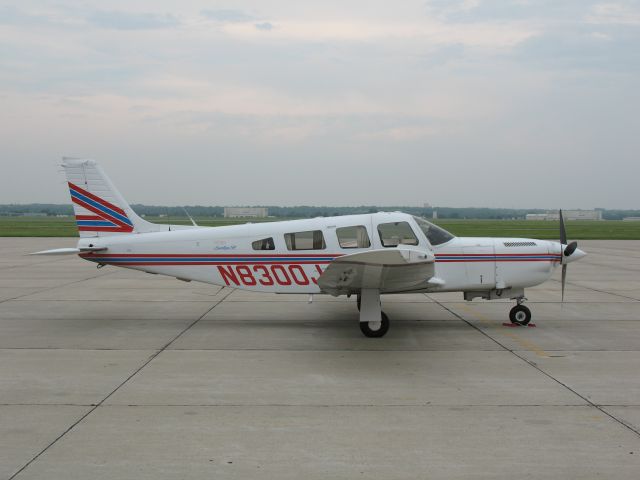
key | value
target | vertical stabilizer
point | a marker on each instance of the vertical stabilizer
(99, 208)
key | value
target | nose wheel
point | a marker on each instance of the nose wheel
(520, 315)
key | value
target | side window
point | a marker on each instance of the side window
(264, 244)
(397, 233)
(353, 237)
(312, 240)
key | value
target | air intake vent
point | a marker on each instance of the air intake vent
(519, 244)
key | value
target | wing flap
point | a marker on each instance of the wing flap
(388, 270)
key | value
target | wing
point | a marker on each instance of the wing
(388, 270)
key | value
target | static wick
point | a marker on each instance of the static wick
(310, 298)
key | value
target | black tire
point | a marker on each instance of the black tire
(520, 315)
(380, 332)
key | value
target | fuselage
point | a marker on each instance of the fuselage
(289, 256)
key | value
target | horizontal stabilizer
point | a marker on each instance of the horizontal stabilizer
(69, 251)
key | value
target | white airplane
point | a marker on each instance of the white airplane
(364, 255)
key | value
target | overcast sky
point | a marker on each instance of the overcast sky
(512, 103)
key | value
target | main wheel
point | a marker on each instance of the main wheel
(375, 329)
(520, 315)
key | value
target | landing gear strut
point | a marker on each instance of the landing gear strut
(374, 323)
(520, 315)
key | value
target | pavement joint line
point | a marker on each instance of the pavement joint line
(34, 264)
(629, 426)
(597, 290)
(278, 349)
(347, 350)
(346, 405)
(596, 264)
(539, 369)
(101, 402)
(21, 299)
(524, 343)
(547, 302)
(47, 404)
(56, 286)
(311, 405)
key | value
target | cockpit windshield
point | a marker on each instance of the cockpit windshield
(435, 234)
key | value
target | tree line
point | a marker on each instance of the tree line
(306, 211)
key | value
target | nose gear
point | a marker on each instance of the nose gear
(520, 315)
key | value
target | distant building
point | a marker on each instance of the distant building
(631, 219)
(435, 215)
(34, 214)
(541, 216)
(246, 212)
(567, 215)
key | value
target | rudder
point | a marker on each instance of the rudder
(99, 208)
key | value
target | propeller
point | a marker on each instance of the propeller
(568, 251)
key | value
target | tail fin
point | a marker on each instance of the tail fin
(99, 208)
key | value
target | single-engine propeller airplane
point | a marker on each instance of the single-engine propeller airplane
(363, 255)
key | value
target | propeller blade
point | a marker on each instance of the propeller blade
(567, 251)
(570, 249)
(563, 232)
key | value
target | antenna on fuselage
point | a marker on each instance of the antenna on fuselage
(190, 218)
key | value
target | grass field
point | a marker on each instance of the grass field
(578, 230)
(66, 226)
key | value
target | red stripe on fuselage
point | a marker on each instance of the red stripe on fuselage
(239, 255)
(206, 263)
(500, 260)
(492, 254)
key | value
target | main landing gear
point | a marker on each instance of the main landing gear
(520, 315)
(374, 323)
